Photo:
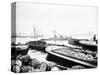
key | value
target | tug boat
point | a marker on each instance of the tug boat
(89, 45)
(85, 44)
(38, 45)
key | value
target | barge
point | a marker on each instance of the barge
(68, 59)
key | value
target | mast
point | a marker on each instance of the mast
(34, 30)
(55, 36)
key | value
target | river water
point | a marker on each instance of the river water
(23, 40)
(64, 42)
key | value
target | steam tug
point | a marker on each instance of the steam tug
(38, 45)
(85, 43)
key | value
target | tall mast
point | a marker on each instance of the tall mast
(34, 30)
(55, 36)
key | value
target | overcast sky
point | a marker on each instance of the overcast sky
(64, 19)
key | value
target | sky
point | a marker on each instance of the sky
(64, 19)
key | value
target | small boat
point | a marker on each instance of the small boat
(38, 45)
(85, 44)
(89, 44)
(19, 49)
(74, 41)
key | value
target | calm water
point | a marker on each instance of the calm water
(23, 40)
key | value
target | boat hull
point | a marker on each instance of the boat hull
(84, 46)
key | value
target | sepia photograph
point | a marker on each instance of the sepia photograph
(53, 37)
